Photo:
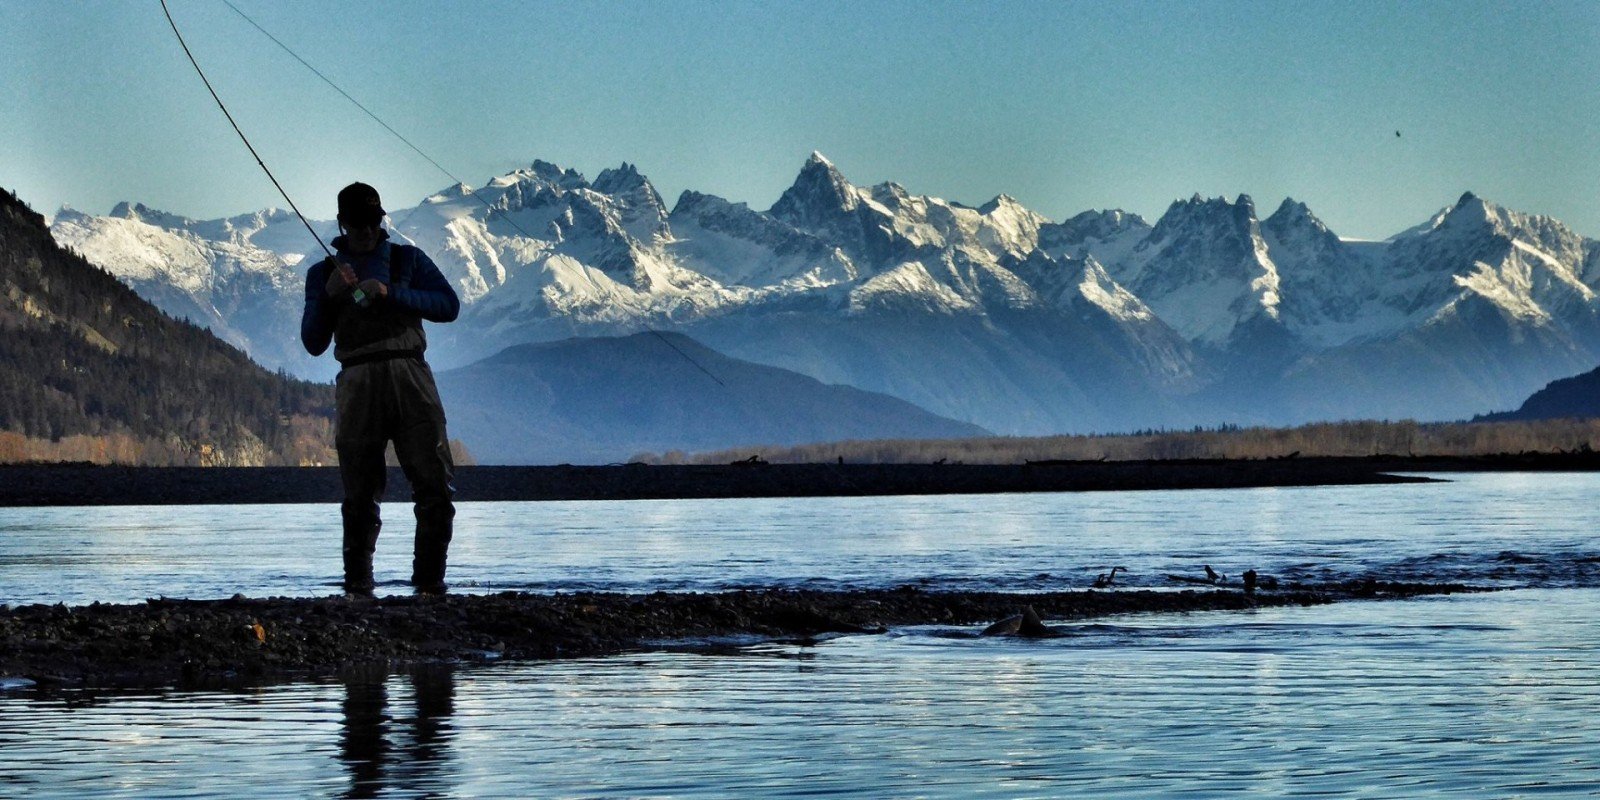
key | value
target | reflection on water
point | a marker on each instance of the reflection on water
(1471, 696)
(1484, 695)
(382, 751)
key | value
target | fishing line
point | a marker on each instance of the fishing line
(357, 103)
(418, 150)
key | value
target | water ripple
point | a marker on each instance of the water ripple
(1479, 695)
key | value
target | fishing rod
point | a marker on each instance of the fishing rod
(356, 294)
(386, 126)
(242, 137)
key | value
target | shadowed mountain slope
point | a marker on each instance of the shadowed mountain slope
(603, 400)
(1575, 397)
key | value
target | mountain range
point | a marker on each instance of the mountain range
(989, 314)
(92, 372)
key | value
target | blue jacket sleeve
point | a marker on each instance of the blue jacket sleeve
(429, 296)
(321, 314)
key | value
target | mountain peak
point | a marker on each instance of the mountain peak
(1000, 201)
(1198, 203)
(448, 193)
(819, 192)
(139, 212)
(1217, 209)
(1472, 210)
(1092, 225)
(1291, 207)
(551, 173)
(1293, 214)
(820, 170)
(621, 180)
(690, 201)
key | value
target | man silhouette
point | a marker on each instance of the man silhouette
(370, 302)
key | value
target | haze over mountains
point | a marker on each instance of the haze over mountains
(993, 314)
(605, 399)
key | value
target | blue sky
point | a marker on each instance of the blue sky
(1066, 106)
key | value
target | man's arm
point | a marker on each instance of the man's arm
(321, 313)
(429, 296)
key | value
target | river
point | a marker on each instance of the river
(1484, 695)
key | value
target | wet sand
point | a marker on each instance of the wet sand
(167, 642)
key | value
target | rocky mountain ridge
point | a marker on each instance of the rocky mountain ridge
(991, 314)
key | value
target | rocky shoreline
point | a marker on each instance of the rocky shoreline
(167, 642)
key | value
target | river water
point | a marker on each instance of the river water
(1484, 695)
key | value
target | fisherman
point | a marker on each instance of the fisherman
(370, 301)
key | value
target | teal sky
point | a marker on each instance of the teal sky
(1066, 106)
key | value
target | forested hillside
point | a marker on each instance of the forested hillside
(91, 372)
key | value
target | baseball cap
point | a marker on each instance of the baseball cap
(359, 202)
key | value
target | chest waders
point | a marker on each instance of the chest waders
(385, 393)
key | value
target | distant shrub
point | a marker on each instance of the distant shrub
(1348, 438)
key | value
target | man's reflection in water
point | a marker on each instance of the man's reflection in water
(384, 752)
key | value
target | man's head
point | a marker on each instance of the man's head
(360, 216)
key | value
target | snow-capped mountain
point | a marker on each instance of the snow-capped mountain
(1204, 269)
(1476, 301)
(237, 277)
(1330, 292)
(735, 246)
(991, 314)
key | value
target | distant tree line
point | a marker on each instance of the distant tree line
(1358, 438)
(90, 371)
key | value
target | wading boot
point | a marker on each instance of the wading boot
(358, 567)
(427, 573)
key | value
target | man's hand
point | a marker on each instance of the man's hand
(340, 279)
(374, 287)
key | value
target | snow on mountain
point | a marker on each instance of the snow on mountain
(1204, 269)
(1331, 292)
(823, 203)
(1161, 350)
(1102, 321)
(1108, 236)
(1468, 311)
(730, 243)
(1097, 287)
(909, 287)
(638, 209)
(1530, 267)
(136, 243)
(957, 250)
(234, 276)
